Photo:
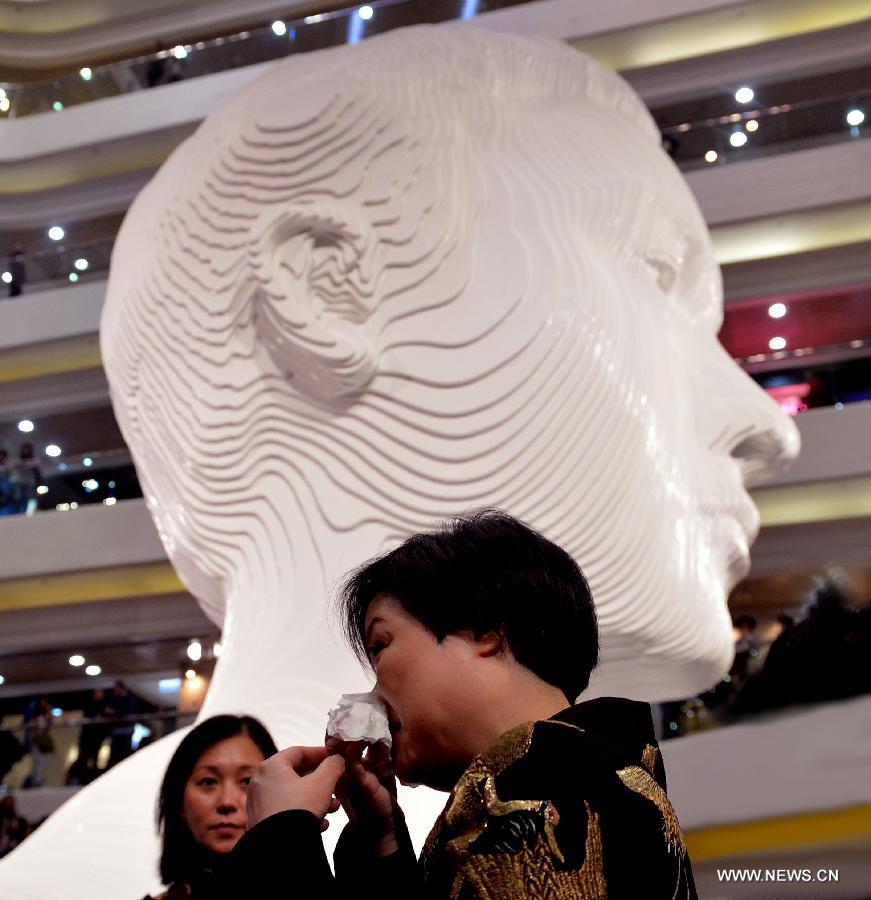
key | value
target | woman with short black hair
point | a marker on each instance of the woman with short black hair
(201, 808)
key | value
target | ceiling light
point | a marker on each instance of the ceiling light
(168, 685)
(56, 233)
(57, 106)
(26, 426)
(86, 73)
(279, 28)
(777, 310)
(737, 139)
(77, 659)
(2, 94)
(711, 156)
(2, 680)
(217, 649)
(5, 103)
(313, 20)
(74, 277)
(6, 277)
(110, 501)
(365, 12)
(855, 117)
(744, 94)
(195, 651)
(87, 462)
(57, 711)
(53, 450)
(42, 489)
(752, 125)
(190, 674)
(74, 505)
(81, 264)
(777, 343)
(90, 484)
(93, 670)
(179, 52)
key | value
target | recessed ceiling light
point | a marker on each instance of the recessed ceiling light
(179, 52)
(26, 426)
(855, 117)
(777, 310)
(86, 73)
(195, 651)
(737, 139)
(777, 343)
(744, 94)
(56, 233)
(279, 28)
(190, 674)
(53, 450)
(752, 125)
(365, 12)
(77, 659)
(93, 670)
(81, 264)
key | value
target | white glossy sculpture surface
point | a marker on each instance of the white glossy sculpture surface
(382, 285)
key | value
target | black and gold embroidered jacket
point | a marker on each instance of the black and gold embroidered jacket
(571, 808)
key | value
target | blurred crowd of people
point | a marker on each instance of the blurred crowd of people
(821, 655)
(18, 480)
(108, 715)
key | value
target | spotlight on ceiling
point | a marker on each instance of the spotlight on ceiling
(737, 139)
(179, 52)
(77, 659)
(86, 73)
(93, 670)
(855, 117)
(195, 651)
(53, 450)
(81, 264)
(279, 28)
(26, 426)
(711, 156)
(777, 343)
(777, 310)
(365, 13)
(56, 233)
(744, 94)
(752, 125)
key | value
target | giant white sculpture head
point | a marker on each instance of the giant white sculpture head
(438, 270)
(443, 269)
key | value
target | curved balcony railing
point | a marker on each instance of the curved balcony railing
(768, 130)
(65, 483)
(190, 60)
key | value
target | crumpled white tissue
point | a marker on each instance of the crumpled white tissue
(360, 717)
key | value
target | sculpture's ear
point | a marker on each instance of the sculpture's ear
(315, 271)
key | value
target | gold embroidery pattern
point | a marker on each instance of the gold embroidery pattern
(649, 758)
(531, 872)
(474, 802)
(642, 782)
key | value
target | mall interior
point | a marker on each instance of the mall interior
(765, 108)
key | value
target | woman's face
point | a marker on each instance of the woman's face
(213, 804)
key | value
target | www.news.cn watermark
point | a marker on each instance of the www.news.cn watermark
(812, 876)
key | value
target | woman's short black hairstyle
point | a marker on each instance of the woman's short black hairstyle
(486, 571)
(179, 854)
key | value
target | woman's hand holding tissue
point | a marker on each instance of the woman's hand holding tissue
(296, 778)
(367, 792)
